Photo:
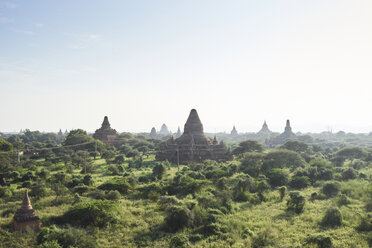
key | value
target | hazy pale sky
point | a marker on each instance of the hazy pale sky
(66, 64)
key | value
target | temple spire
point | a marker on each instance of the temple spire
(288, 128)
(193, 124)
(26, 203)
(106, 123)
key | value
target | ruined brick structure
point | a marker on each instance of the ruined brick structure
(193, 145)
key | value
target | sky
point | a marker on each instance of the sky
(67, 64)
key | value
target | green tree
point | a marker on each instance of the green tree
(296, 146)
(282, 159)
(248, 146)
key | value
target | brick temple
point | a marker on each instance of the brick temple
(106, 134)
(25, 217)
(193, 145)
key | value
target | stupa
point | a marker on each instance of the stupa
(193, 145)
(285, 136)
(153, 133)
(265, 129)
(106, 134)
(25, 217)
(178, 134)
(164, 130)
(234, 132)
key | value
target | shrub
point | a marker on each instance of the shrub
(296, 202)
(320, 241)
(349, 174)
(299, 182)
(158, 171)
(38, 190)
(332, 218)
(282, 191)
(343, 200)
(179, 217)
(179, 241)
(331, 189)
(96, 213)
(113, 195)
(278, 177)
(88, 180)
(120, 185)
(53, 237)
(264, 238)
(365, 224)
(114, 169)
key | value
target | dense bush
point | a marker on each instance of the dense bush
(96, 213)
(179, 217)
(332, 218)
(320, 241)
(120, 185)
(282, 159)
(299, 182)
(365, 224)
(296, 202)
(331, 189)
(349, 174)
(53, 237)
(278, 177)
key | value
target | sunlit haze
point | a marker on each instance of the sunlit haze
(67, 64)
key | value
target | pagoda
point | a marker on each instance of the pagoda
(153, 133)
(193, 145)
(25, 217)
(265, 129)
(285, 136)
(178, 134)
(234, 132)
(164, 130)
(106, 134)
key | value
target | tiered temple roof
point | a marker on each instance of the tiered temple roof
(106, 134)
(25, 217)
(193, 145)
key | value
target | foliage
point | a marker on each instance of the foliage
(332, 218)
(299, 182)
(96, 213)
(278, 177)
(296, 202)
(120, 185)
(53, 237)
(248, 146)
(282, 159)
(296, 146)
(331, 189)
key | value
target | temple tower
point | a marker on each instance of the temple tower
(25, 217)
(193, 145)
(234, 132)
(153, 133)
(164, 130)
(106, 134)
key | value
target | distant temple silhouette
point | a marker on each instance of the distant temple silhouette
(285, 136)
(193, 145)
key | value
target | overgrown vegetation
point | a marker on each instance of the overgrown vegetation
(295, 195)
